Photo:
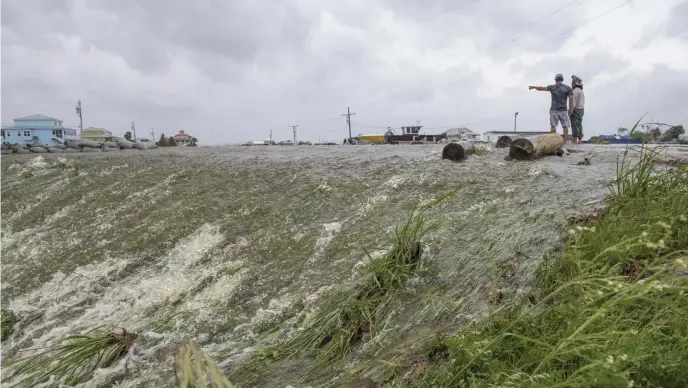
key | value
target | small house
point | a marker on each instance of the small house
(183, 138)
(457, 134)
(97, 134)
(37, 130)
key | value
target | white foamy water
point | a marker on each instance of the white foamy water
(235, 247)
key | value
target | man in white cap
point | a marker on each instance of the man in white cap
(558, 111)
(576, 108)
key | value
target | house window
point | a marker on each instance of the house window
(57, 133)
(3, 133)
(27, 133)
(19, 133)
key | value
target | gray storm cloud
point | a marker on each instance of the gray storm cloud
(229, 71)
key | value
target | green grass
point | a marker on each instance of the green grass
(479, 151)
(609, 313)
(27, 173)
(70, 362)
(8, 321)
(355, 312)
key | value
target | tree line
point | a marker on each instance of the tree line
(164, 141)
(653, 134)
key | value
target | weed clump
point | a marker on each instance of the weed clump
(609, 313)
(352, 314)
(27, 173)
(72, 361)
(8, 321)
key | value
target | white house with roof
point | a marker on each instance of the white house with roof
(461, 134)
(38, 129)
(183, 138)
(97, 134)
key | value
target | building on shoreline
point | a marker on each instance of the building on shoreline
(456, 134)
(183, 138)
(38, 129)
(97, 134)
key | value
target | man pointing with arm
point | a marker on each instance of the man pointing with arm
(558, 111)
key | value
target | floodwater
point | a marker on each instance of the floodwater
(233, 246)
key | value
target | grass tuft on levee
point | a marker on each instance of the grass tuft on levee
(72, 361)
(354, 312)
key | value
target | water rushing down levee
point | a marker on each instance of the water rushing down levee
(232, 247)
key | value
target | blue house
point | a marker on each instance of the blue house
(38, 129)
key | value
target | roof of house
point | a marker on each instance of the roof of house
(97, 129)
(518, 132)
(462, 130)
(36, 117)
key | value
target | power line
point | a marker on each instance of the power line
(506, 39)
(369, 125)
(545, 41)
(530, 48)
(574, 2)
(581, 25)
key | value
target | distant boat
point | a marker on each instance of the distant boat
(617, 139)
(412, 135)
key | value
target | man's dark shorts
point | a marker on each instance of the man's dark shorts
(577, 123)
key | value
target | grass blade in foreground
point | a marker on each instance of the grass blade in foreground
(72, 361)
(196, 370)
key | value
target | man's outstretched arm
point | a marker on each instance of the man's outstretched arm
(540, 88)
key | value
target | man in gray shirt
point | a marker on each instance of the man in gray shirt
(558, 111)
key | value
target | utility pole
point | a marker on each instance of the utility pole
(78, 113)
(348, 115)
(153, 135)
(133, 131)
(515, 115)
(271, 135)
(293, 127)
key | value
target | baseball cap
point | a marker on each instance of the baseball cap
(576, 80)
(559, 77)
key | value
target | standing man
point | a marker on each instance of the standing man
(576, 106)
(558, 111)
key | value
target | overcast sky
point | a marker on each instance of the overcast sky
(231, 70)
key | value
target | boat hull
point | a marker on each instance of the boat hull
(414, 139)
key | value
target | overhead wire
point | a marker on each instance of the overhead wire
(558, 10)
(581, 25)
(550, 38)
(627, 2)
